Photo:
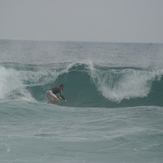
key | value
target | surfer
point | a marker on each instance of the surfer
(51, 94)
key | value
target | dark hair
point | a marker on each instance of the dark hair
(62, 85)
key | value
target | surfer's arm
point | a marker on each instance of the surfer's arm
(62, 96)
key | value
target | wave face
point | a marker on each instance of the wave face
(87, 85)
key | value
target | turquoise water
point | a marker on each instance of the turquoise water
(114, 112)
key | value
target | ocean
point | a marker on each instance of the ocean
(114, 112)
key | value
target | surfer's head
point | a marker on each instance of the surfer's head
(62, 86)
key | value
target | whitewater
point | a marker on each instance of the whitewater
(114, 112)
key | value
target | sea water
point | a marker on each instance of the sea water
(114, 112)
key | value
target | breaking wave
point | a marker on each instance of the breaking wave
(87, 85)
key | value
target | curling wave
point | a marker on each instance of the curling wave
(88, 85)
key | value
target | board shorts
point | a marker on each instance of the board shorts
(50, 96)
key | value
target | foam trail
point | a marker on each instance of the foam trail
(14, 80)
(9, 80)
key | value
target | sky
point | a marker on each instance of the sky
(82, 20)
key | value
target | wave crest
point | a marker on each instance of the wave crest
(117, 84)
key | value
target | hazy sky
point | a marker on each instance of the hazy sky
(82, 20)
